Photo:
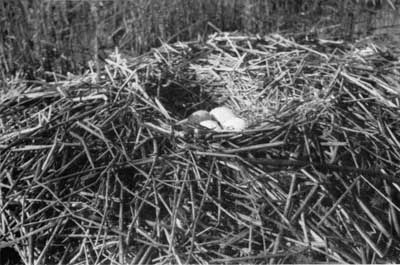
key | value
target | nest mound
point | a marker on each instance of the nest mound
(95, 169)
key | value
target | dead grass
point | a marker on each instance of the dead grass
(99, 172)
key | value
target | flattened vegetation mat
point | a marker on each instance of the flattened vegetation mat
(98, 169)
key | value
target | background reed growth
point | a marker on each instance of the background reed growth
(61, 35)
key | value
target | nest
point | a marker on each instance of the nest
(97, 169)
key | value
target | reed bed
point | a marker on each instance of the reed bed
(97, 169)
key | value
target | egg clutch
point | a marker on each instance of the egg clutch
(218, 119)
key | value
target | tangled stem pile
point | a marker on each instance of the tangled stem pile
(95, 169)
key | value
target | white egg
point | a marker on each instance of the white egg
(199, 116)
(210, 124)
(236, 124)
(222, 114)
